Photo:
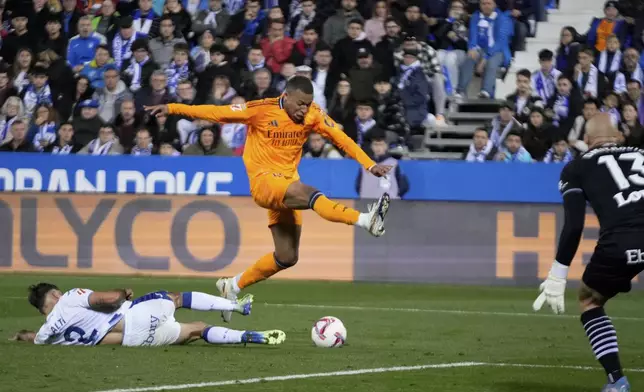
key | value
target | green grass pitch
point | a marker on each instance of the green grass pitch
(388, 325)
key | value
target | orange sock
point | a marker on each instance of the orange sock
(333, 211)
(263, 269)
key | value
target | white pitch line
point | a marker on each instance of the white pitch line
(420, 310)
(354, 373)
(299, 377)
(445, 311)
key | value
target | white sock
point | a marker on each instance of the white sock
(235, 282)
(220, 335)
(363, 221)
(202, 301)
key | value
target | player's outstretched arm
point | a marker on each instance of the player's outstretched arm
(109, 301)
(24, 336)
(330, 130)
(554, 287)
(213, 113)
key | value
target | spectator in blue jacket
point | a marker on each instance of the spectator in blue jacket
(414, 91)
(82, 47)
(95, 69)
(488, 48)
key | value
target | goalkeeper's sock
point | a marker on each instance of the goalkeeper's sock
(603, 340)
(333, 211)
(202, 301)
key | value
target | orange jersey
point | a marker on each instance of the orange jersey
(274, 142)
(604, 29)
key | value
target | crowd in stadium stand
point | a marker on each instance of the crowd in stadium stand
(599, 71)
(75, 74)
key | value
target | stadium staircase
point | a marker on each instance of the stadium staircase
(464, 116)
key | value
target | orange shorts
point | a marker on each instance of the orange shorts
(268, 191)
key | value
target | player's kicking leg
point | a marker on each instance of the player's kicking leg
(219, 335)
(602, 337)
(287, 229)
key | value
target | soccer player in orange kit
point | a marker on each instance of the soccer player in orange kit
(277, 130)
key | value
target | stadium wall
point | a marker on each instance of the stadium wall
(429, 180)
(466, 223)
(441, 242)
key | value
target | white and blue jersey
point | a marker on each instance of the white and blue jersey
(150, 321)
(73, 322)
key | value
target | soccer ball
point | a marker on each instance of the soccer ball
(329, 332)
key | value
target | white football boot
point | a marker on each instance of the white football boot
(225, 287)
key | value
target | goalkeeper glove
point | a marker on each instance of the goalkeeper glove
(553, 289)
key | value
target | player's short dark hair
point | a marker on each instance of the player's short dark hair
(38, 292)
(255, 47)
(592, 101)
(62, 124)
(481, 129)
(525, 72)
(300, 83)
(588, 50)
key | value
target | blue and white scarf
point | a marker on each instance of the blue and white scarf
(614, 65)
(176, 73)
(5, 126)
(407, 71)
(21, 81)
(35, 97)
(122, 49)
(65, 150)
(497, 136)
(638, 74)
(591, 86)
(301, 25)
(561, 109)
(473, 155)
(145, 26)
(253, 68)
(135, 71)
(138, 151)
(363, 128)
(552, 157)
(200, 58)
(545, 85)
(234, 135)
(486, 31)
(45, 132)
(96, 148)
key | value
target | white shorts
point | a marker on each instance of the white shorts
(150, 321)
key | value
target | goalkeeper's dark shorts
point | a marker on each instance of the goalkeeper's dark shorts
(618, 258)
